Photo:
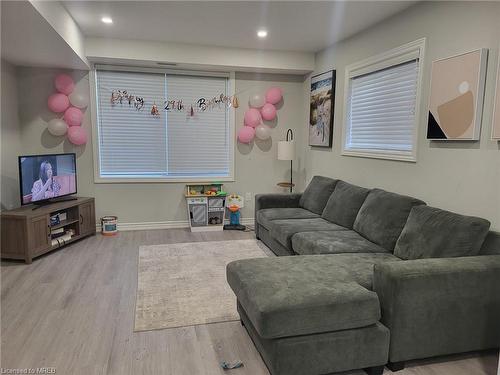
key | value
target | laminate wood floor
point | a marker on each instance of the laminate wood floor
(74, 310)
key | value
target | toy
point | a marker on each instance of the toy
(206, 204)
(235, 203)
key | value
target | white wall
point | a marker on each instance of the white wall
(198, 57)
(256, 167)
(458, 176)
(60, 20)
(10, 136)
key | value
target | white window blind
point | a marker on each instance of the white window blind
(381, 110)
(133, 144)
(198, 145)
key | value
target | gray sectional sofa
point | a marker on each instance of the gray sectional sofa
(377, 278)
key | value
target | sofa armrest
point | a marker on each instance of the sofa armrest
(439, 306)
(276, 201)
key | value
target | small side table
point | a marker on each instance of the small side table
(287, 185)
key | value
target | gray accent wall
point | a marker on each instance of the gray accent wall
(458, 176)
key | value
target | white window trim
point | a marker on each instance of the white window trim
(396, 56)
(95, 128)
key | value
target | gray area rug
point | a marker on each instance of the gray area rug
(184, 284)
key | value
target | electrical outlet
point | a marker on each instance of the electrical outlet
(248, 197)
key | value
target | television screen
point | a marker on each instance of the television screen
(44, 177)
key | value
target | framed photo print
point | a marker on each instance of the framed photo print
(456, 99)
(322, 109)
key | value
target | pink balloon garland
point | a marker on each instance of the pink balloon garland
(77, 135)
(64, 84)
(246, 134)
(254, 116)
(274, 95)
(73, 116)
(268, 112)
(59, 102)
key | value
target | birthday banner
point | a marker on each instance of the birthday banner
(200, 105)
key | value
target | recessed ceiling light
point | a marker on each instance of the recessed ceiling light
(262, 33)
(107, 20)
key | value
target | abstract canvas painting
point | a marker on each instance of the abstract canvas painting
(456, 99)
(322, 109)
(495, 132)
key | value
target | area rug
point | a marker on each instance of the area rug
(184, 284)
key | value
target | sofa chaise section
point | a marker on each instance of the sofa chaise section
(309, 315)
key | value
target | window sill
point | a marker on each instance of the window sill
(121, 180)
(381, 155)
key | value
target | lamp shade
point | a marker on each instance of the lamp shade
(286, 150)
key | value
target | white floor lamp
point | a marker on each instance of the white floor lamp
(286, 151)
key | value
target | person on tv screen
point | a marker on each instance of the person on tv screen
(45, 187)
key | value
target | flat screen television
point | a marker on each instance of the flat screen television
(46, 178)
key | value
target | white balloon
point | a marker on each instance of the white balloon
(263, 132)
(256, 100)
(78, 99)
(57, 127)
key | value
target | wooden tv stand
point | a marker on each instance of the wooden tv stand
(26, 233)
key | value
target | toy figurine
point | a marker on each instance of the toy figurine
(235, 203)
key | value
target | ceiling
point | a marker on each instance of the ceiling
(28, 39)
(306, 26)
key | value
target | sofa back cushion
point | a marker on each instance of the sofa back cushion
(316, 195)
(383, 215)
(434, 233)
(344, 204)
(491, 244)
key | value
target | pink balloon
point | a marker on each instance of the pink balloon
(73, 116)
(246, 134)
(64, 83)
(274, 95)
(252, 117)
(268, 112)
(77, 135)
(58, 102)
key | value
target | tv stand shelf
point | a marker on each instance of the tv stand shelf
(26, 233)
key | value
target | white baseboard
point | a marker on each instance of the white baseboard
(152, 225)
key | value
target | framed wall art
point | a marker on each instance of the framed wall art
(495, 131)
(456, 98)
(322, 109)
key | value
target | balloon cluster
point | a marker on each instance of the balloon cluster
(261, 108)
(69, 102)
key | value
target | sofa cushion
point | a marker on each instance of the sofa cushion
(434, 233)
(491, 244)
(344, 204)
(333, 242)
(316, 195)
(290, 296)
(383, 215)
(283, 230)
(360, 266)
(265, 216)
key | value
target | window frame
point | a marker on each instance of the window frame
(400, 55)
(98, 179)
